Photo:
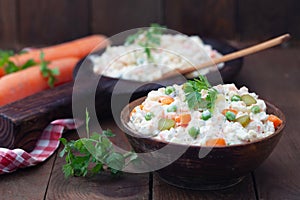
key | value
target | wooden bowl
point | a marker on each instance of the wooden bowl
(221, 168)
(106, 85)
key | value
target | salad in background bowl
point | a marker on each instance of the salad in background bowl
(92, 71)
(149, 54)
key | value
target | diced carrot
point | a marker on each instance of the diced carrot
(132, 112)
(183, 119)
(141, 106)
(231, 110)
(134, 109)
(165, 100)
(29, 81)
(276, 121)
(216, 142)
(177, 119)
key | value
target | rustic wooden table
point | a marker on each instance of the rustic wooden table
(273, 74)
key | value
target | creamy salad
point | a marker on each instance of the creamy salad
(212, 116)
(132, 61)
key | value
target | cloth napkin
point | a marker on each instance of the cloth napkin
(11, 160)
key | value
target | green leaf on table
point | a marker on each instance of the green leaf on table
(68, 170)
(93, 155)
(115, 161)
(108, 133)
(87, 120)
(97, 168)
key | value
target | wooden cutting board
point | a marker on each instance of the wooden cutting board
(22, 122)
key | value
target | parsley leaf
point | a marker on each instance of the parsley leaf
(11, 67)
(93, 155)
(147, 39)
(4, 56)
(131, 38)
(47, 72)
(211, 98)
(28, 64)
(193, 95)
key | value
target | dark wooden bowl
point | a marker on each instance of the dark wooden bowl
(221, 168)
(106, 85)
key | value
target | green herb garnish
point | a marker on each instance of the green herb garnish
(93, 155)
(147, 39)
(4, 57)
(47, 72)
(169, 90)
(193, 96)
(132, 38)
(11, 67)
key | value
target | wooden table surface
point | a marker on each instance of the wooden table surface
(273, 74)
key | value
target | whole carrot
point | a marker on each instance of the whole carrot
(76, 48)
(29, 81)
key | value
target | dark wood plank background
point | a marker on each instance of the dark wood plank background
(42, 22)
(274, 74)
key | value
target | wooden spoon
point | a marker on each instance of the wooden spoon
(231, 56)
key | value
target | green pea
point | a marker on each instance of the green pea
(243, 120)
(169, 90)
(172, 108)
(248, 99)
(206, 115)
(236, 98)
(149, 116)
(230, 116)
(255, 109)
(165, 124)
(194, 132)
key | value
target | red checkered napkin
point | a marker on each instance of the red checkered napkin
(11, 160)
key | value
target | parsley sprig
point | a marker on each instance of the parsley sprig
(9, 66)
(192, 89)
(93, 155)
(47, 72)
(147, 39)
